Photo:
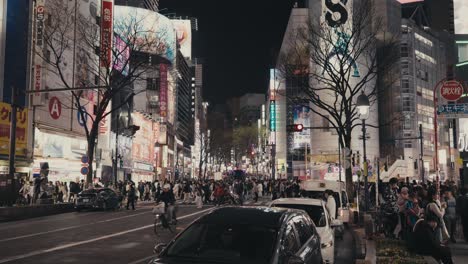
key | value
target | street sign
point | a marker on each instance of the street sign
(84, 170)
(451, 90)
(452, 110)
(84, 159)
(55, 107)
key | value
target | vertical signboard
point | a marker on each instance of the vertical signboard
(184, 36)
(39, 47)
(106, 33)
(272, 116)
(121, 62)
(163, 91)
(21, 130)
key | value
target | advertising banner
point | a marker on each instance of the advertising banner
(143, 142)
(21, 130)
(122, 50)
(184, 36)
(163, 107)
(156, 34)
(272, 116)
(38, 78)
(106, 33)
(301, 116)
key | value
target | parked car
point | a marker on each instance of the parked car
(317, 211)
(315, 188)
(98, 198)
(245, 235)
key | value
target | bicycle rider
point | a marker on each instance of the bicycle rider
(167, 197)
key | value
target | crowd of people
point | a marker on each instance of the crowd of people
(425, 215)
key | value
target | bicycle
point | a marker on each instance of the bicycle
(160, 219)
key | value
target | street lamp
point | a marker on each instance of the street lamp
(363, 105)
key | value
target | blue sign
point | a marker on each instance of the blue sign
(84, 159)
(85, 116)
(452, 109)
(84, 170)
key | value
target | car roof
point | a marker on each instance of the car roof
(307, 201)
(264, 216)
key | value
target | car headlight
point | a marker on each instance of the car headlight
(328, 244)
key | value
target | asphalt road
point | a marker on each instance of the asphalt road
(88, 237)
(102, 237)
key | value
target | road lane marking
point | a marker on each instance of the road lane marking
(75, 244)
(70, 227)
(7, 225)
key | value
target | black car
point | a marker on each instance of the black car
(245, 235)
(98, 198)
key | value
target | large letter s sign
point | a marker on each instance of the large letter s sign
(336, 14)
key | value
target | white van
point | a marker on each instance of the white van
(315, 188)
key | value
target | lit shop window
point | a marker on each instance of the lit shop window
(423, 39)
(422, 56)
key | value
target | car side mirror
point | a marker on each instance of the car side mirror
(336, 223)
(293, 259)
(159, 248)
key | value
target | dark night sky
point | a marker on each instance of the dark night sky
(238, 39)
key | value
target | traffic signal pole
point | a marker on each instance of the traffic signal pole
(11, 161)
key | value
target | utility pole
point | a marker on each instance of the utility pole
(421, 154)
(11, 164)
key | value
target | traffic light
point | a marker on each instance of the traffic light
(385, 166)
(354, 160)
(295, 128)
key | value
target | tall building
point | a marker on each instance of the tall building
(250, 108)
(408, 102)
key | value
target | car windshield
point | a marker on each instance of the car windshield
(89, 191)
(225, 243)
(320, 195)
(315, 212)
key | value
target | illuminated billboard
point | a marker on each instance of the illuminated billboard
(154, 32)
(461, 20)
(183, 30)
(272, 116)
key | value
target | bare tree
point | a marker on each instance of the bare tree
(69, 34)
(244, 139)
(333, 63)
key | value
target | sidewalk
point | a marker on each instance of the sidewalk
(460, 252)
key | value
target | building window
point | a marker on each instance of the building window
(423, 75)
(408, 104)
(408, 123)
(422, 56)
(405, 86)
(404, 50)
(423, 39)
(405, 68)
(408, 144)
(152, 84)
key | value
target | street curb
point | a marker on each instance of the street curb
(26, 212)
(359, 242)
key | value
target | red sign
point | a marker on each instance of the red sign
(163, 90)
(106, 34)
(55, 107)
(451, 90)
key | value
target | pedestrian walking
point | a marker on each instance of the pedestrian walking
(450, 217)
(131, 195)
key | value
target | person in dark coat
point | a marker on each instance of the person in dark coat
(425, 241)
(131, 195)
(462, 203)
